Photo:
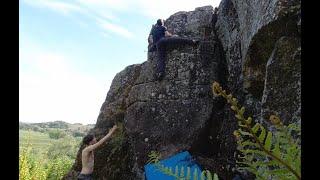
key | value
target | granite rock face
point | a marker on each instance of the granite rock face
(282, 86)
(261, 41)
(253, 50)
(194, 24)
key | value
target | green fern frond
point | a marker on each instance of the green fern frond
(188, 173)
(203, 175)
(176, 172)
(249, 143)
(255, 128)
(262, 134)
(209, 175)
(268, 141)
(195, 174)
(265, 152)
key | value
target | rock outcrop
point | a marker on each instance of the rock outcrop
(253, 50)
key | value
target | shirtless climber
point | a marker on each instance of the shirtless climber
(158, 39)
(88, 154)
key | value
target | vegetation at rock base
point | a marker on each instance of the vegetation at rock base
(44, 158)
(267, 154)
(32, 167)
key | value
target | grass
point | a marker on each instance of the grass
(38, 140)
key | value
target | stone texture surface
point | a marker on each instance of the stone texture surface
(249, 32)
(194, 24)
(282, 86)
(253, 50)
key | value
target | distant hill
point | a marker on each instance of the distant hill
(76, 129)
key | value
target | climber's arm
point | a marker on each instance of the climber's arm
(150, 40)
(167, 34)
(101, 141)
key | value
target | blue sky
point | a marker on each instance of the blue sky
(69, 52)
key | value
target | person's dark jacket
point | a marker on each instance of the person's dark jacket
(157, 33)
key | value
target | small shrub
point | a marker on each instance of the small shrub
(58, 167)
(56, 134)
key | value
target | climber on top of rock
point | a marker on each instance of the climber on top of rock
(88, 154)
(159, 38)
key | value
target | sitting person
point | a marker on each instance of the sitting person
(158, 39)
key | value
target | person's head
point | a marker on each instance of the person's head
(215, 11)
(160, 22)
(89, 139)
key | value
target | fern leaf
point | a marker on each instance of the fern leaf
(203, 175)
(280, 172)
(215, 176)
(253, 151)
(249, 120)
(195, 174)
(245, 133)
(234, 108)
(297, 163)
(255, 128)
(276, 149)
(241, 125)
(249, 143)
(282, 161)
(267, 144)
(239, 116)
(188, 173)
(209, 176)
(176, 172)
(262, 134)
(273, 163)
(241, 111)
(182, 172)
(250, 169)
(292, 154)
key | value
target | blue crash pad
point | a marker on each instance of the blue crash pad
(183, 159)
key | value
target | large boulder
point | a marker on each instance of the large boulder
(167, 116)
(253, 50)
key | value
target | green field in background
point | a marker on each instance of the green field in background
(38, 140)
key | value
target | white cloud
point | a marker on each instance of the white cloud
(165, 8)
(153, 9)
(51, 88)
(94, 9)
(102, 10)
(107, 26)
(115, 5)
(104, 34)
(58, 6)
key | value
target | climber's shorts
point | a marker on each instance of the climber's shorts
(85, 177)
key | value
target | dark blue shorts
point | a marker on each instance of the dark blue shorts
(85, 177)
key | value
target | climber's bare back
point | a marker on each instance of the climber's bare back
(87, 161)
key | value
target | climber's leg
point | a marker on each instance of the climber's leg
(152, 47)
(180, 40)
(161, 52)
